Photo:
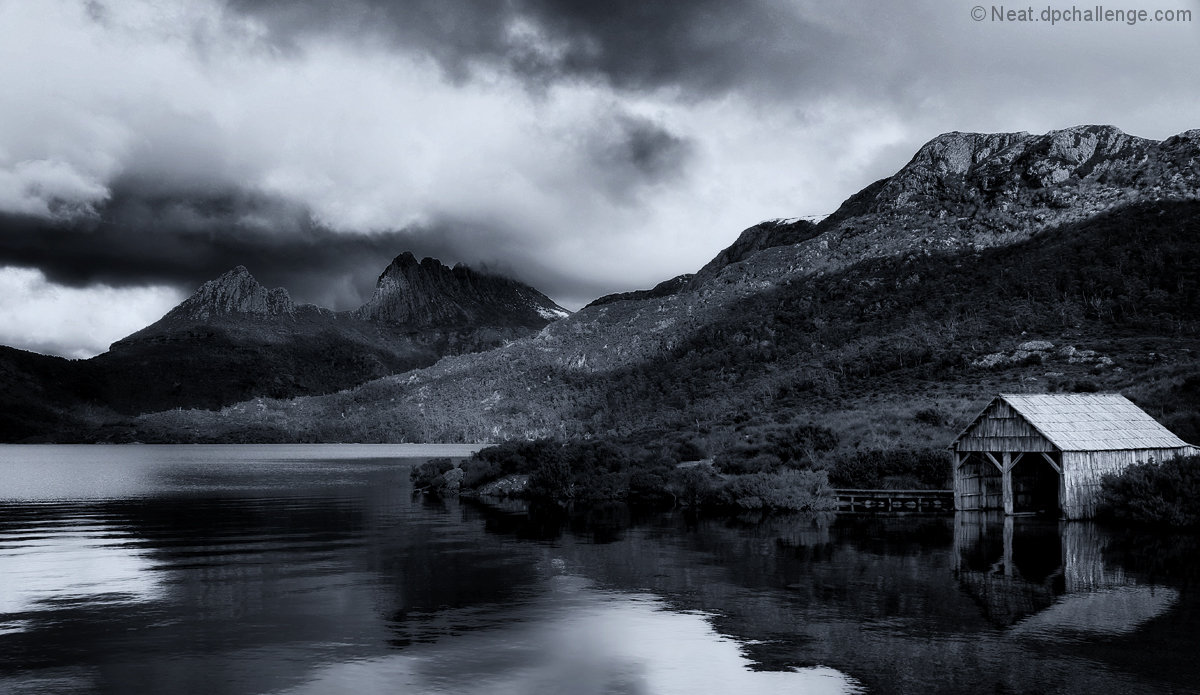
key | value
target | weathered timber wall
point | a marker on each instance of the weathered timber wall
(1002, 429)
(977, 484)
(1083, 470)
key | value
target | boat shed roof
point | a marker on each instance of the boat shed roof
(1087, 421)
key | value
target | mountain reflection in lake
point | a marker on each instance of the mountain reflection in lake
(312, 569)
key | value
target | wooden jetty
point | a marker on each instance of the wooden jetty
(926, 501)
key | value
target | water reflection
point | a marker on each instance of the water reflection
(287, 574)
(1049, 579)
(56, 555)
(577, 639)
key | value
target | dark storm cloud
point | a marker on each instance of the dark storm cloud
(141, 238)
(634, 153)
(705, 46)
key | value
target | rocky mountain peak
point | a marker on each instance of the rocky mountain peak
(957, 168)
(235, 292)
(427, 293)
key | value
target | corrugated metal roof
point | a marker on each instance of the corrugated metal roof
(1088, 421)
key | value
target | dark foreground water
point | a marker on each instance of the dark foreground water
(312, 569)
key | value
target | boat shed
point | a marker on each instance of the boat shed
(1046, 453)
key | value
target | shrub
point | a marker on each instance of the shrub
(803, 491)
(520, 456)
(931, 416)
(430, 473)
(744, 459)
(695, 486)
(767, 449)
(650, 486)
(891, 468)
(508, 458)
(1155, 493)
(689, 451)
(552, 481)
(795, 444)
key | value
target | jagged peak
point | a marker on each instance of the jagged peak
(428, 293)
(235, 292)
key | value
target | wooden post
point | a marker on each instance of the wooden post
(1006, 483)
(1008, 544)
(959, 483)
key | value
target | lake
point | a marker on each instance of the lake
(314, 569)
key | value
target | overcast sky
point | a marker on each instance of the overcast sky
(583, 147)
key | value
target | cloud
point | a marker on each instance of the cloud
(627, 43)
(584, 148)
(48, 189)
(40, 316)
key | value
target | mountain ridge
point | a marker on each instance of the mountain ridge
(233, 339)
(951, 212)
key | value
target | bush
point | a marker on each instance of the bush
(508, 458)
(743, 459)
(552, 481)
(1165, 493)
(768, 449)
(892, 468)
(689, 451)
(802, 491)
(695, 486)
(429, 474)
(650, 487)
(931, 416)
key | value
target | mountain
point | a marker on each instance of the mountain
(430, 295)
(1009, 262)
(234, 293)
(234, 339)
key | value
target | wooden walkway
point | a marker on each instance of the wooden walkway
(927, 501)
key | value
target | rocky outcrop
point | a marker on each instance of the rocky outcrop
(427, 294)
(665, 288)
(958, 167)
(761, 236)
(508, 486)
(235, 292)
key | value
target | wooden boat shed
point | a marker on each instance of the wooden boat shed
(1031, 453)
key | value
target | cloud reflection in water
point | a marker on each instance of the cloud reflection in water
(582, 641)
(68, 561)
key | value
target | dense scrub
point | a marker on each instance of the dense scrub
(894, 469)
(601, 471)
(1166, 493)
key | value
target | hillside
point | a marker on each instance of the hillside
(989, 263)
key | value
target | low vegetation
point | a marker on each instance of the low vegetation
(1162, 493)
(603, 471)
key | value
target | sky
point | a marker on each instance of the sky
(583, 147)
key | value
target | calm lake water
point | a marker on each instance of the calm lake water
(313, 569)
